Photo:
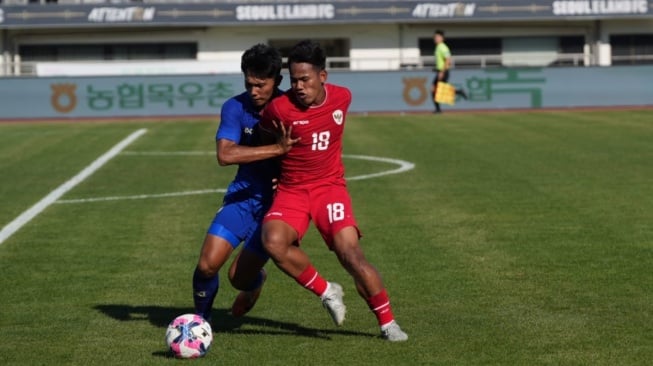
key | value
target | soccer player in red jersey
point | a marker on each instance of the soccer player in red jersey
(312, 186)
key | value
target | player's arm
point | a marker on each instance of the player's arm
(447, 57)
(269, 129)
(447, 65)
(228, 148)
(230, 152)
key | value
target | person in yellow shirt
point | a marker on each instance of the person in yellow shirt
(442, 65)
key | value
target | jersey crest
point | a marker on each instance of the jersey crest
(338, 117)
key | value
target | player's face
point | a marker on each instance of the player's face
(307, 83)
(260, 90)
(437, 39)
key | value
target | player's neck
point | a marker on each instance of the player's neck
(320, 99)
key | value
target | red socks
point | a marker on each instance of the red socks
(312, 280)
(379, 303)
(380, 306)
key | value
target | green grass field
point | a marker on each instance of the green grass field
(518, 239)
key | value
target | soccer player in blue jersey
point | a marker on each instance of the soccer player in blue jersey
(250, 193)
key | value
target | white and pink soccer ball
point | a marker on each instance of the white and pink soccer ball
(189, 336)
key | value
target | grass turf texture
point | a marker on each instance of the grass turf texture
(518, 239)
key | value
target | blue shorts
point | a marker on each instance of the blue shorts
(239, 220)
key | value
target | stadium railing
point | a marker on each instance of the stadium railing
(29, 68)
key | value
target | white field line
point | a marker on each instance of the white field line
(403, 166)
(143, 196)
(167, 153)
(53, 196)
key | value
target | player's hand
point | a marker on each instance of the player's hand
(284, 138)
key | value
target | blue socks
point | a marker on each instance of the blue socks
(204, 292)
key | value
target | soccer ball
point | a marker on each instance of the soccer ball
(189, 336)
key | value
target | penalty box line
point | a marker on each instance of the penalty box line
(53, 196)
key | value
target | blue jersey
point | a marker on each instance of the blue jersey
(250, 193)
(238, 124)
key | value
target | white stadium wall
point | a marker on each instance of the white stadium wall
(226, 45)
(529, 51)
(613, 27)
(376, 46)
(371, 45)
(3, 55)
(381, 46)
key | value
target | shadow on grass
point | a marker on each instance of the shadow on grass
(222, 322)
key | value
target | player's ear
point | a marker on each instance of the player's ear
(323, 76)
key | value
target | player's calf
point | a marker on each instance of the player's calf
(248, 296)
(368, 283)
(204, 291)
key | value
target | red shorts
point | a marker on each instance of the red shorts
(327, 204)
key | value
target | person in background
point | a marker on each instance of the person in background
(442, 66)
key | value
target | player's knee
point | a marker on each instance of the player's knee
(349, 253)
(237, 279)
(232, 275)
(275, 242)
(353, 258)
(236, 282)
(206, 268)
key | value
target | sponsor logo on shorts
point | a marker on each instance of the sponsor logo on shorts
(302, 122)
(275, 213)
(338, 117)
(248, 131)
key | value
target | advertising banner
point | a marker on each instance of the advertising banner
(399, 91)
(361, 11)
(108, 97)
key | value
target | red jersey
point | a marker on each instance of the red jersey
(318, 155)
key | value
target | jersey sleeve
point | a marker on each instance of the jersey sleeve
(444, 51)
(348, 97)
(230, 116)
(342, 93)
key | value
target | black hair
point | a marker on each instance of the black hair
(439, 32)
(308, 51)
(261, 61)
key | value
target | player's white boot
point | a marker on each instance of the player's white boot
(393, 333)
(332, 301)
